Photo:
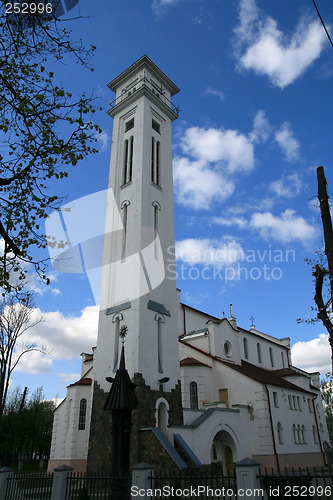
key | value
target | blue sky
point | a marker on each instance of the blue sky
(255, 122)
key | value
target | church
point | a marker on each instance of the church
(208, 390)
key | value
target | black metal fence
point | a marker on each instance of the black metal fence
(311, 483)
(83, 486)
(195, 484)
(30, 486)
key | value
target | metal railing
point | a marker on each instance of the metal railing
(97, 486)
(144, 82)
(30, 486)
(311, 482)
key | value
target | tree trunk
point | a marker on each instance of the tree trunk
(328, 238)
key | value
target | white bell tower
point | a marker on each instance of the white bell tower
(138, 279)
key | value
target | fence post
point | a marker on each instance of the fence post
(59, 482)
(247, 471)
(141, 480)
(4, 473)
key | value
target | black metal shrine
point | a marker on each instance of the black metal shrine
(121, 401)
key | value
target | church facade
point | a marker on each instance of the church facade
(209, 391)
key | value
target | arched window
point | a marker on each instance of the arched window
(160, 320)
(279, 429)
(271, 356)
(295, 433)
(315, 434)
(259, 352)
(82, 414)
(246, 352)
(124, 208)
(157, 207)
(193, 395)
(116, 320)
(303, 432)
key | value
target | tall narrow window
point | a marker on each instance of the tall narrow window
(194, 395)
(157, 173)
(82, 414)
(116, 320)
(160, 320)
(280, 432)
(275, 399)
(259, 352)
(315, 434)
(271, 356)
(246, 352)
(295, 433)
(124, 207)
(125, 162)
(282, 358)
(155, 161)
(303, 431)
(157, 207)
(131, 143)
(152, 168)
(128, 160)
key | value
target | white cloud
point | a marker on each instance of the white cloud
(197, 186)
(261, 127)
(286, 228)
(63, 337)
(208, 251)
(313, 355)
(288, 186)
(232, 150)
(287, 142)
(262, 47)
(103, 139)
(159, 6)
(215, 92)
(34, 362)
(69, 378)
(230, 222)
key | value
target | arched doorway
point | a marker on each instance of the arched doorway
(224, 452)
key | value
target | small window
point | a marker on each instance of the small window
(295, 433)
(259, 352)
(291, 404)
(280, 432)
(129, 124)
(299, 406)
(275, 400)
(271, 357)
(82, 414)
(156, 126)
(246, 351)
(315, 434)
(227, 348)
(283, 362)
(310, 405)
(194, 395)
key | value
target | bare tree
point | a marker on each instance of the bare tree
(15, 321)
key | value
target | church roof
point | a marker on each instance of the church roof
(254, 372)
(192, 362)
(82, 381)
(263, 376)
